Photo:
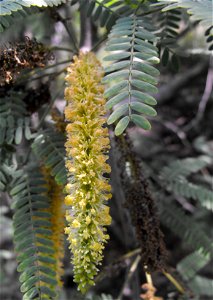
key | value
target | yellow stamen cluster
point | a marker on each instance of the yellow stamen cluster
(87, 189)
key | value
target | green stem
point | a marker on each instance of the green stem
(174, 282)
(101, 40)
(131, 271)
(60, 49)
(70, 33)
(36, 71)
(54, 74)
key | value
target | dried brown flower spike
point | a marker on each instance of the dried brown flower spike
(21, 56)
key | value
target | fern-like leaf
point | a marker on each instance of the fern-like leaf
(7, 173)
(169, 23)
(201, 10)
(49, 148)
(184, 167)
(201, 286)
(11, 10)
(189, 267)
(14, 123)
(184, 226)
(3, 178)
(105, 12)
(192, 263)
(183, 187)
(33, 236)
(173, 178)
(130, 74)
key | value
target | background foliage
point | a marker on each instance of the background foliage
(142, 44)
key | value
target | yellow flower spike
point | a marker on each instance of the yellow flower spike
(86, 146)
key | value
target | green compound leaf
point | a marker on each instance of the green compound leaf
(12, 10)
(33, 235)
(131, 75)
(49, 147)
(14, 119)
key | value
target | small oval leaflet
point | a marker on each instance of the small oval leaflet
(117, 113)
(122, 125)
(141, 122)
(143, 108)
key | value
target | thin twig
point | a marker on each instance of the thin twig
(70, 33)
(177, 131)
(174, 282)
(150, 12)
(126, 256)
(149, 278)
(205, 97)
(53, 75)
(101, 40)
(57, 64)
(55, 48)
(132, 269)
(130, 254)
(36, 71)
(167, 91)
(86, 32)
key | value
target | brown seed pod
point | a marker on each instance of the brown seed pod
(141, 206)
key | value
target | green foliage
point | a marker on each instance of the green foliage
(201, 10)
(11, 10)
(49, 148)
(7, 20)
(131, 76)
(187, 189)
(184, 226)
(184, 167)
(14, 120)
(100, 12)
(169, 23)
(4, 177)
(32, 235)
(106, 12)
(173, 178)
(7, 7)
(201, 286)
(190, 265)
